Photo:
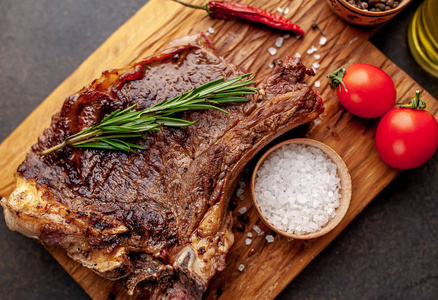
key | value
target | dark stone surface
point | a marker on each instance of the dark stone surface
(388, 252)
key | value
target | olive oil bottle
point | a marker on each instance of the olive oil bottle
(423, 36)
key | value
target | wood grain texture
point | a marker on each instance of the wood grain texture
(268, 267)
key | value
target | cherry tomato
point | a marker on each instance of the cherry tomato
(364, 90)
(407, 137)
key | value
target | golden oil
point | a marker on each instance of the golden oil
(423, 36)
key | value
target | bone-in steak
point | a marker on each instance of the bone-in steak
(157, 220)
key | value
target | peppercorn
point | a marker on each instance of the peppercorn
(374, 5)
(240, 227)
(244, 218)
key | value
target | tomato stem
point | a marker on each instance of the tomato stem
(336, 78)
(416, 102)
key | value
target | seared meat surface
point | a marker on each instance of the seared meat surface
(157, 220)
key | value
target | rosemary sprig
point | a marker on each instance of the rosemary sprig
(114, 129)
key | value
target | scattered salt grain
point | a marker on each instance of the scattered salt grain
(317, 84)
(279, 42)
(297, 55)
(297, 189)
(240, 192)
(242, 184)
(271, 66)
(269, 238)
(286, 11)
(257, 230)
(280, 10)
(286, 36)
(243, 210)
(317, 56)
(312, 50)
(249, 234)
(248, 242)
(241, 267)
(210, 29)
(315, 65)
(272, 51)
(322, 40)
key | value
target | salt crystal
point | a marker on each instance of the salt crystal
(271, 66)
(279, 42)
(312, 50)
(317, 84)
(241, 267)
(210, 30)
(317, 56)
(286, 36)
(256, 229)
(248, 242)
(286, 11)
(315, 65)
(240, 192)
(269, 238)
(272, 51)
(243, 210)
(322, 40)
(297, 55)
(242, 184)
(249, 234)
(280, 10)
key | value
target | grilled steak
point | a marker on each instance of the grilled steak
(158, 220)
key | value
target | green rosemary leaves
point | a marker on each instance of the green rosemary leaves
(113, 131)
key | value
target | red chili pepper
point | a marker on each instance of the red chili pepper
(228, 9)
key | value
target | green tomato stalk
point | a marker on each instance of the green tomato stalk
(416, 102)
(337, 77)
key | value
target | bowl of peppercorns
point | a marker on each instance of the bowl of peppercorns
(367, 12)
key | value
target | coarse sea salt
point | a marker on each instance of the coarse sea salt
(272, 51)
(243, 210)
(297, 189)
(269, 238)
(241, 267)
(317, 84)
(279, 42)
(315, 65)
(257, 230)
(311, 50)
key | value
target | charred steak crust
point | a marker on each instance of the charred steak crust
(158, 219)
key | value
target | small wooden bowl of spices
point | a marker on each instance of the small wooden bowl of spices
(301, 188)
(367, 12)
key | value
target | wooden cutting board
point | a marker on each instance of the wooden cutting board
(269, 267)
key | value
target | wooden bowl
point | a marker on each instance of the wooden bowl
(360, 17)
(345, 192)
